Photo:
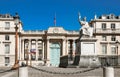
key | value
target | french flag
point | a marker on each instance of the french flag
(33, 51)
(55, 20)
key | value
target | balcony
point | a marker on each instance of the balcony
(5, 29)
(107, 31)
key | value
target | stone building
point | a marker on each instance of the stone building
(100, 45)
(39, 46)
(45, 47)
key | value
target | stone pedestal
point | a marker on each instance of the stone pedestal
(89, 61)
(87, 50)
(23, 72)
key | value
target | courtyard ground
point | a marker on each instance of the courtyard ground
(43, 71)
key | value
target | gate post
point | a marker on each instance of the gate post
(23, 72)
(108, 72)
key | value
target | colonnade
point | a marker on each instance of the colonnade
(43, 47)
(26, 47)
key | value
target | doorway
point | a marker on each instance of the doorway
(55, 54)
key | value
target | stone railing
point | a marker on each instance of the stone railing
(98, 30)
(72, 32)
(34, 32)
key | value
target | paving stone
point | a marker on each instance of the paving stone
(64, 72)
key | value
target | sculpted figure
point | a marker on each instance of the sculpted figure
(86, 29)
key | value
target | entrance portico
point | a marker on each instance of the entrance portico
(55, 54)
(47, 47)
(54, 51)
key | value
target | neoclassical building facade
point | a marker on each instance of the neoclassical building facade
(45, 47)
(37, 47)
(99, 41)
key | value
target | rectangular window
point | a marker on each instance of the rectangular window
(7, 61)
(7, 48)
(104, 38)
(40, 54)
(40, 44)
(112, 26)
(104, 49)
(113, 38)
(33, 50)
(26, 50)
(7, 25)
(103, 26)
(7, 37)
(113, 50)
(33, 56)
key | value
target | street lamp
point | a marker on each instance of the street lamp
(16, 21)
(117, 44)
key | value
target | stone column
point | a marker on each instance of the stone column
(73, 46)
(63, 47)
(29, 49)
(36, 49)
(19, 47)
(48, 48)
(67, 47)
(23, 52)
(71, 49)
(43, 49)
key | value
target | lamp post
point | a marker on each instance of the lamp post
(117, 44)
(16, 21)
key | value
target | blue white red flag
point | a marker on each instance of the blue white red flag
(55, 20)
(33, 51)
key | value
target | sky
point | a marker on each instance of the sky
(39, 14)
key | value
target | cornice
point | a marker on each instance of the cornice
(6, 19)
(105, 20)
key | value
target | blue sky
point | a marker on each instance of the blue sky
(39, 14)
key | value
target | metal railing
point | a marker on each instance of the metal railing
(64, 73)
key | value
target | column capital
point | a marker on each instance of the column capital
(63, 39)
(22, 39)
(36, 39)
(74, 40)
(29, 39)
(43, 41)
(48, 39)
(70, 39)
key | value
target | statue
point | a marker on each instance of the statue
(86, 29)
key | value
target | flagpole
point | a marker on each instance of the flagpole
(55, 20)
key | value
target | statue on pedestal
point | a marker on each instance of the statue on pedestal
(86, 29)
(86, 47)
